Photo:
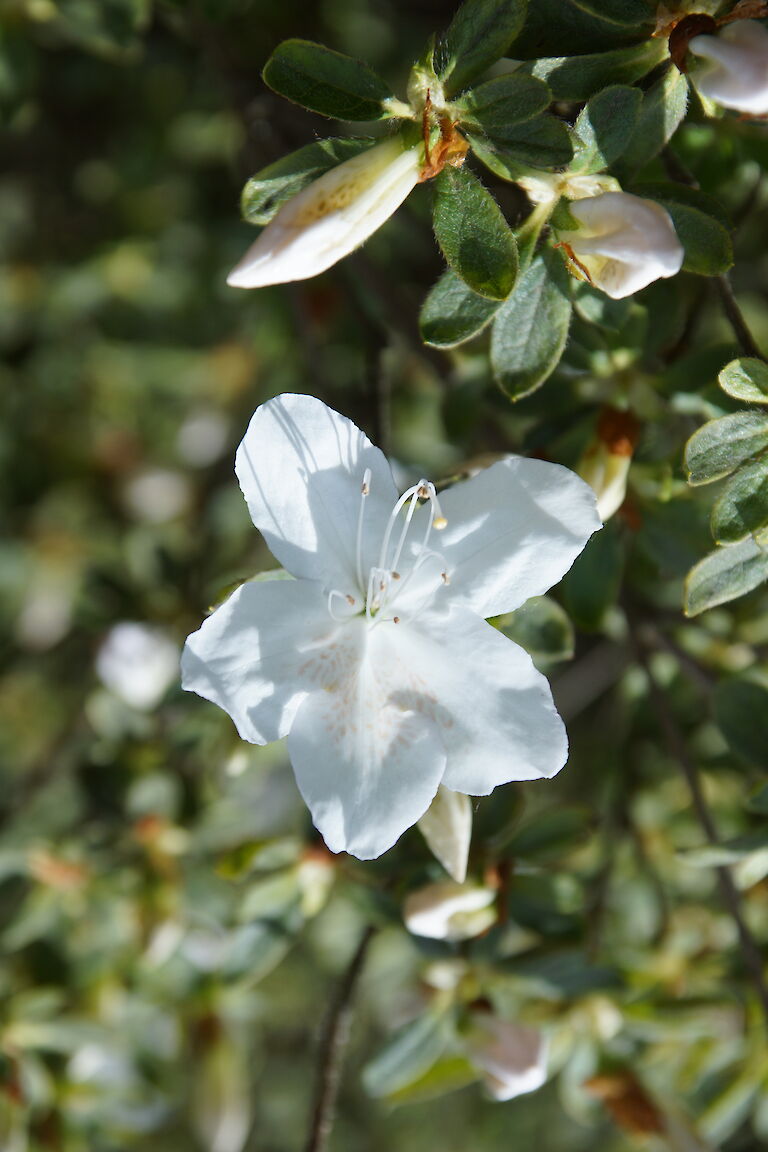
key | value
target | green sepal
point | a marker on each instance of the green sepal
(327, 82)
(473, 235)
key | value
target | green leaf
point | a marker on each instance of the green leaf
(579, 77)
(604, 128)
(453, 313)
(746, 379)
(543, 142)
(408, 1055)
(326, 81)
(551, 833)
(446, 1075)
(531, 327)
(720, 446)
(479, 34)
(630, 12)
(510, 99)
(661, 113)
(726, 574)
(473, 235)
(741, 713)
(742, 507)
(272, 186)
(568, 28)
(542, 628)
(701, 225)
(592, 585)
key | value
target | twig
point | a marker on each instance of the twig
(677, 748)
(333, 1042)
(746, 340)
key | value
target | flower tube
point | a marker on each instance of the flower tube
(623, 242)
(331, 217)
(734, 67)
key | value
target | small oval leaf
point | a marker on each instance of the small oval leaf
(746, 379)
(326, 81)
(473, 235)
(453, 313)
(722, 445)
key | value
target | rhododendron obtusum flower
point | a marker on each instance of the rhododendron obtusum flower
(376, 661)
(734, 68)
(512, 1057)
(331, 216)
(623, 242)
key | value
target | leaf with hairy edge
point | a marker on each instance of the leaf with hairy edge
(510, 99)
(604, 128)
(327, 82)
(452, 313)
(579, 77)
(473, 235)
(719, 447)
(746, 379)
(742, 507)
(479, 34)
(273, 185)
(727, 573)
(661, 113)
(531, 328)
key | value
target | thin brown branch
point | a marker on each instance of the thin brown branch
(746, 341)
(332, 1046)
(677, 748)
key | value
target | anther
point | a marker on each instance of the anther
(395, 619)
(423, 491)
(350, 600)
(395, 575)
(439, 523)
(365, 487)
(445, 578)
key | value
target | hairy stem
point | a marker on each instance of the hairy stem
(332, 1045)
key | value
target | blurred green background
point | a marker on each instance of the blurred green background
(170, 928)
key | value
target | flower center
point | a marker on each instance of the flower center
(385, 582)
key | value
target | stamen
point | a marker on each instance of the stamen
(410, 494)
(365, 489)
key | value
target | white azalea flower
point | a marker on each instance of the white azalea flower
(331, 217)
(513, 1057)
(624, 242)
(449, 911)
(376, 661)
(734, 71)
(138, 663)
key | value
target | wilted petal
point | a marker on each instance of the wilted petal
(447, 828)
(512, 1056)
(301, 467)
(260, 653)
(735, 72)
(494, 711)
(331, 217)
(367, 755)
(513, 531)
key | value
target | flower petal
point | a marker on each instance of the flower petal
(331, 217)
(736, 70)
(512, 1056)
(494, 710)
(257, 655)
(513, 531)
(367, 760)
(301, 467)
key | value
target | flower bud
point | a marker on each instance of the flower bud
(623, 242)
(449, 911)
(512, 1057)
(734, 71)
(605, 462)
(447, 828)
(331, 217)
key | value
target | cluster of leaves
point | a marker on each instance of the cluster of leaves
(171, 926)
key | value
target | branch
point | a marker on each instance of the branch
(747, 344)
(332, 1045)
(730, 893)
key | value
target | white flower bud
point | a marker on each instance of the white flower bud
(624, 242)
(138, 663)
(512, 1057)
(331, 217)
(734, 71)
(449, 911)
(447, 828)
(606, 460)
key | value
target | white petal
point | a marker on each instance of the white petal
(368, 758)
(513, 1057)
(625, 242)
(447, 828)
(736, 70)
(494, 710)
(331, 217)
(449, 911)
(257, 655)
(513, 531)
(301, 467)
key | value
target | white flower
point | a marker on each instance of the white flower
(376, 661)
(624, 242)
(447, 828)
(513, 1058)
(138, 663)
(449, 911)
(331, 217)
(735, 68)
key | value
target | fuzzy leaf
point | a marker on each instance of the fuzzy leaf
(473, 235)
(326, 81)
(742, 507)
(662, 111)
(453, 313)
(479, 34)
(543, 142)
(604, 128)
(726, 574)
(746, 379)
(579, 77)
(720, 446)
(510, 99)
